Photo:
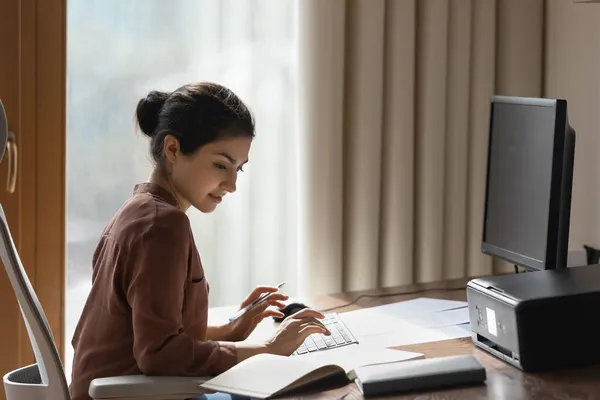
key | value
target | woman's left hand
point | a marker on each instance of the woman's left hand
(240, 328)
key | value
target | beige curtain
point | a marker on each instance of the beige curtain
(393, 111)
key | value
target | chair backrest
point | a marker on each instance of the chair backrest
(3, 130)
(45, 379)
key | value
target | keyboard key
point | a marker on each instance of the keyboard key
(318, 342)
(339, 340)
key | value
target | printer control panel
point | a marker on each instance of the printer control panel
(493, 324)
(486, 319)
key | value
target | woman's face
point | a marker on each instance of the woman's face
(203, 178)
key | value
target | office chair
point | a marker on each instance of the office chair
(45, 380)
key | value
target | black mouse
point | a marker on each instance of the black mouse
(290, 309)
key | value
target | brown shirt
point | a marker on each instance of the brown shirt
(147, 309)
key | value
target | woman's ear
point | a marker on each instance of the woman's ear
(171, 148)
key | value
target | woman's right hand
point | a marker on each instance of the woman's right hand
(294, 330)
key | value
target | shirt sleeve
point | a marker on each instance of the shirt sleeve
(155, 293)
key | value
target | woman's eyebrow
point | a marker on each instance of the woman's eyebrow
(228, 157)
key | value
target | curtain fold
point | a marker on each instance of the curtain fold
(397, 238)
(483, 75)
(363, 102)
(321, 37)
(432, 57)
(457, 138)
(394, 115)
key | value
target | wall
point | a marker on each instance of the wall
(572, 72)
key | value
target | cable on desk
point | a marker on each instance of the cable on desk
(388, 295)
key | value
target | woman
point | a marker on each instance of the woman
(147, 309)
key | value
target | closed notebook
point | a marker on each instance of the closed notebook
(425, 374)
(266, 375)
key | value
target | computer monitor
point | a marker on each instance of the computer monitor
(529, 178)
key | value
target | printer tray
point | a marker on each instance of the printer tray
(415, 375)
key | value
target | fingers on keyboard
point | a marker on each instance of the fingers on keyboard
(316, 341)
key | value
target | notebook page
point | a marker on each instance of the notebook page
(354, 356)
(264, 375)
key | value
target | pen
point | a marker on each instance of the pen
(254, 303)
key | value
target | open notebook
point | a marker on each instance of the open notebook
(265, 375)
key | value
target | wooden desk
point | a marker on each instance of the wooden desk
(504, 382)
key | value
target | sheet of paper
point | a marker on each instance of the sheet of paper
(441, 318)
(405, 316)
(354, 356)
(466, 326)
(415, 336)
(416, 321)
(419, 306)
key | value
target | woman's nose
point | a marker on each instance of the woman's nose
(230, 184)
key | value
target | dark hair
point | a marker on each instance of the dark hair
(196, 114)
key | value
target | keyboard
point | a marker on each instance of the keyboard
(340, 336)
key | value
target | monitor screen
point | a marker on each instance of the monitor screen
(519, 179)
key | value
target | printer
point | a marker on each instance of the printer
(538, 321)
(545, 315)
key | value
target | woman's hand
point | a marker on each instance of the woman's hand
(294, 330)
(240, 328)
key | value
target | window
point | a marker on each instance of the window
(117, 51)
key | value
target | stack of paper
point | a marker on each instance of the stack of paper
(415, 321)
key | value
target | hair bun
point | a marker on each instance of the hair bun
(148, 110)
